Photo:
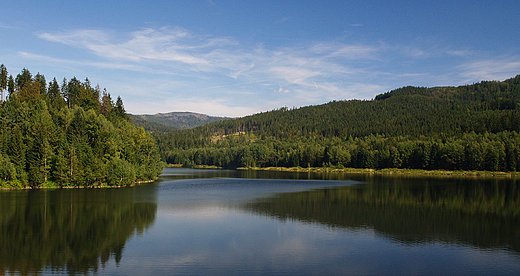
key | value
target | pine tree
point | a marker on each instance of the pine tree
(24, 77)
(11, 85)
(3, 81)
(119, 109)
(54, 95)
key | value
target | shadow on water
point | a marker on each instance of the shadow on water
(72, 230)
(484, 213)
(182, 173)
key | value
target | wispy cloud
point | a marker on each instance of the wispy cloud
(3, 26)
(164, 44)
(210, 54)
(346, 51)
(281, 90)
(283, 19)
(109, 65)
(218, 69)
(492, 69)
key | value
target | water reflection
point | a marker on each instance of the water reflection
(479, 213)
(182, 173)
(73, 230)
(244, 222)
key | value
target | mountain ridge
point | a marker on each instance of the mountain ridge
(172, 121)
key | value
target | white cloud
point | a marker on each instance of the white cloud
(164, 44)
(2, 26)
(292, 74)
(281, 90)
(212, 54)
(82, 38)
(283, 19)
(174, 69)
(346, 51)
(494, 69)
(109, 65)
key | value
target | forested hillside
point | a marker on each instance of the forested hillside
(470, 127)
(153, 127)
(178, 120)
(71, 134)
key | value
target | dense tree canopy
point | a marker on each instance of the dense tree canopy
(72, 135)
(470, 127)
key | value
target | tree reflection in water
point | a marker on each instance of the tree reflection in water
(75, 230)
(480, 213)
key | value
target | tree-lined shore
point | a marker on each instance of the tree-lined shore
(471, 127)
(71, 134)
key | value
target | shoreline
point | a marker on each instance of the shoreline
(387, 171)
(79, 187)
(391, 171)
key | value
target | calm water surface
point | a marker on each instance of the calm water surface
(210, 222)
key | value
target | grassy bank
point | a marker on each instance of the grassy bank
(411, 172)
(16, 185)
(393, 171)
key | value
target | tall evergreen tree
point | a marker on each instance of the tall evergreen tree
(106, 103)
(54, 95)
(11, 86)
(3, 81)
(43, 85)
(24, 77)
(119, 109)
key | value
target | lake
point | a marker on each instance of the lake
(218, 222)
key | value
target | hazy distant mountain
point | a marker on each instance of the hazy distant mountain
(179, 120)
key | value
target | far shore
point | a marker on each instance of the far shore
(392, 171)
(389, 171)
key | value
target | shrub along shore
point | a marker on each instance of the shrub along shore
(404, 172)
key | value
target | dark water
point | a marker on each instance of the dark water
(206, 222)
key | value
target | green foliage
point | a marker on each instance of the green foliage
(7, 170)
(471, 127)
(153, 127)
(120, 173)
(49, 141)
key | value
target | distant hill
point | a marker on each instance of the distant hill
(178, 120)
(488, 106)
(152, 127)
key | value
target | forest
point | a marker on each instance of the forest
(469, 127)
(71, 134)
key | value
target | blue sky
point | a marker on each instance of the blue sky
(235, 58)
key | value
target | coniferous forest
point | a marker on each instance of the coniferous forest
(469, 127)
(72, 134)
(69, 134)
